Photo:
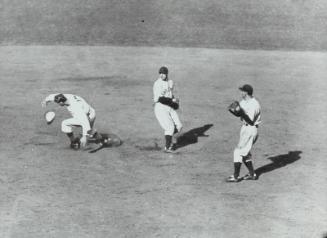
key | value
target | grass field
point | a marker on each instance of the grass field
(233, 24)
(137, 191)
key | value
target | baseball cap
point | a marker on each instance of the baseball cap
(60, 98)
(163, 70)
(246, 88)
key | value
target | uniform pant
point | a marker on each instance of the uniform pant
(248, 136)
(167, 118)
(68, 124)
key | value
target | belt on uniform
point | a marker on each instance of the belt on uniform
(250, 125)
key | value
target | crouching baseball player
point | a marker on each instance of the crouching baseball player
(83, 115)
(165, 106)
(248, 109)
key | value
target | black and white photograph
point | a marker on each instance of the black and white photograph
(163, 119)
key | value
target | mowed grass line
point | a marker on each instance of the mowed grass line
(130, 192)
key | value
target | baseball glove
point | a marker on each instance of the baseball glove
(235, 108)
(174, 103)
(49, 117)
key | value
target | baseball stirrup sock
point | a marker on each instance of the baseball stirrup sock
(71, 136)
(249, 165)
(168, 140)
(237, 169)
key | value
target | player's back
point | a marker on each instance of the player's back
(77, 104)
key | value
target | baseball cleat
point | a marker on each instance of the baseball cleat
(75, 146)
(169, 150)
(250, 177)
(173, 146)
(232, 179)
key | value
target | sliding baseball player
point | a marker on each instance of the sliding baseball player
(83, 115)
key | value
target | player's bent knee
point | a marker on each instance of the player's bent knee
(247, 158)
(237, 156)
(169, 132)
(66, 128)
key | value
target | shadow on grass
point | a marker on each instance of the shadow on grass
(278, 162)
(191, 136)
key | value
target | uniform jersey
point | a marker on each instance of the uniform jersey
(162, 88)
(248, 133)
(252, 108)
(76, 105)
(167, 117)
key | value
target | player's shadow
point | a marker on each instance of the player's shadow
(278, 162)
(112, 140)
(191, 136)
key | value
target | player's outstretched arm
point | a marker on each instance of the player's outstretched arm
(49, 98)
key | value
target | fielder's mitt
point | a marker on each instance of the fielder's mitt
(235, 108)
(175, 103)
(49, 117)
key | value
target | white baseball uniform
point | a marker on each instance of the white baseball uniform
(248, 133)
(83, 114)
(166, 116)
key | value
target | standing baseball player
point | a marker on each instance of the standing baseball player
(165, 106)
(248, 109)
(83, 115)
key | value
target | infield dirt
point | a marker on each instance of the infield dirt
(136, 190)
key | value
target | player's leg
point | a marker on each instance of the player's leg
(174, 138)
(70, 136)
(166, 123)
(94, 136)
(238, 155)
(178, 126)
(177, 122)
(237, 158)
(247, 159)
(67, 128)
(169, 131)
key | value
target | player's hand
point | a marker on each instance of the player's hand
(83, 141)
(235, 109)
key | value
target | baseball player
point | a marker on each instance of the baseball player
(165, 106)
(83, 115)
(248, 110)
